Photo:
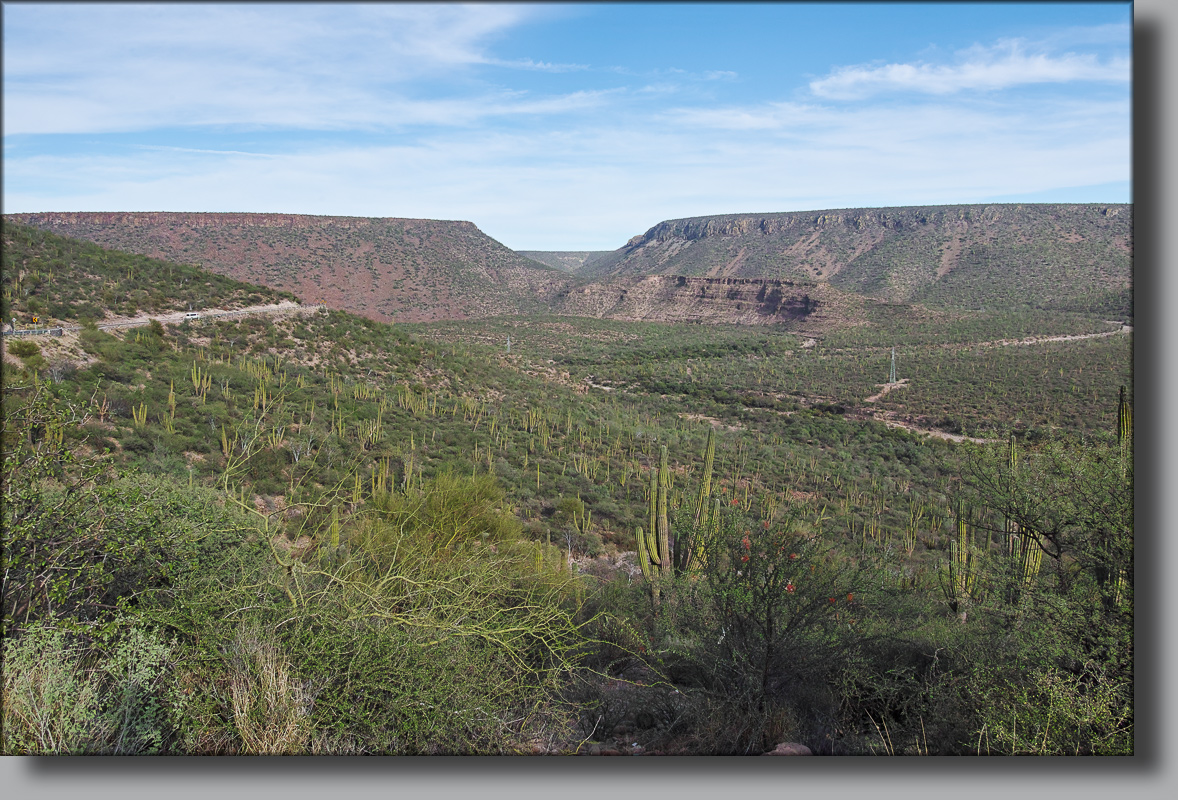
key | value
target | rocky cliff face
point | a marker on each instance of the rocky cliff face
(950, 255)
(679, 298)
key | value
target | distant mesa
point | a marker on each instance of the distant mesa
(963, 256)
(775, 268)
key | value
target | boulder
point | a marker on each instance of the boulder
(789, 749)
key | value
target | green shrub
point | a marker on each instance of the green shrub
(453, 511)
(105, 539)
(1053, 711)
(111, 697)
(50, 703)
(758, 630)
(24, 349)
(394, 689)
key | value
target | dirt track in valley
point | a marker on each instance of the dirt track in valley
(885, 388)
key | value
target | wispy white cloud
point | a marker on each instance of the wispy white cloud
(759, 117)
(405, 110)
(1007, 64)
(594, 187)
(102, 68)
(172, 149)
(157, 102)
(539, 66)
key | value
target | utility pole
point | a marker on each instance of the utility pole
(892, 374)
(509, 344)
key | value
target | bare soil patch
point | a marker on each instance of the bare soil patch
(885, 388)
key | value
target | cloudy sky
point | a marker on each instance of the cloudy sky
(567, 126)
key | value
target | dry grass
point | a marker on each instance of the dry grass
(271, 709)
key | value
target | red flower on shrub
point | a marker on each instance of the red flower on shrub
(850, 597)
(831, 599)
(744, 558)
(789, 587)
(793, 556)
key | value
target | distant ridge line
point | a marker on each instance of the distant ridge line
(255, 219)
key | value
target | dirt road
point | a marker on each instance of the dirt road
(885, 388)
(1039, 339)
(285, 307)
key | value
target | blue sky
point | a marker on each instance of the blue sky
(566, 126)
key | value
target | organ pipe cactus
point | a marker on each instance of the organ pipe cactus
(706, 486)
(1124, 423)
(1030, 557)
(1022, 546)
(334, 528)
(1124, 417)
(690, 552)
(663, 521)
(959, 579)
(661, 551)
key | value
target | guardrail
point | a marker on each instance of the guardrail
(36, 332)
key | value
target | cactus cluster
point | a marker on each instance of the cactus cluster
(661, 551)
(1022, 546)
(202, 381)
(959, 580)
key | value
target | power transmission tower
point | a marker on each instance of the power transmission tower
(892, 374)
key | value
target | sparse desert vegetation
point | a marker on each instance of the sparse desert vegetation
(328, 534)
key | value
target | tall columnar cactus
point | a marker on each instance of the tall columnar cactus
(1022, 545)
(1012, 528)
(959, 581)
(1124, 422)
(333, 529)
(202, 381)
(916, 515)
(690, 551)
(1030, 557)
(662, 520)
(661, 551)
(705, 487)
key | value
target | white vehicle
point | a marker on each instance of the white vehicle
(192, 315)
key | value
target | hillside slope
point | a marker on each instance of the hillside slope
(383, 268)
(1067, 256)
(61, 280)
(567, 260)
